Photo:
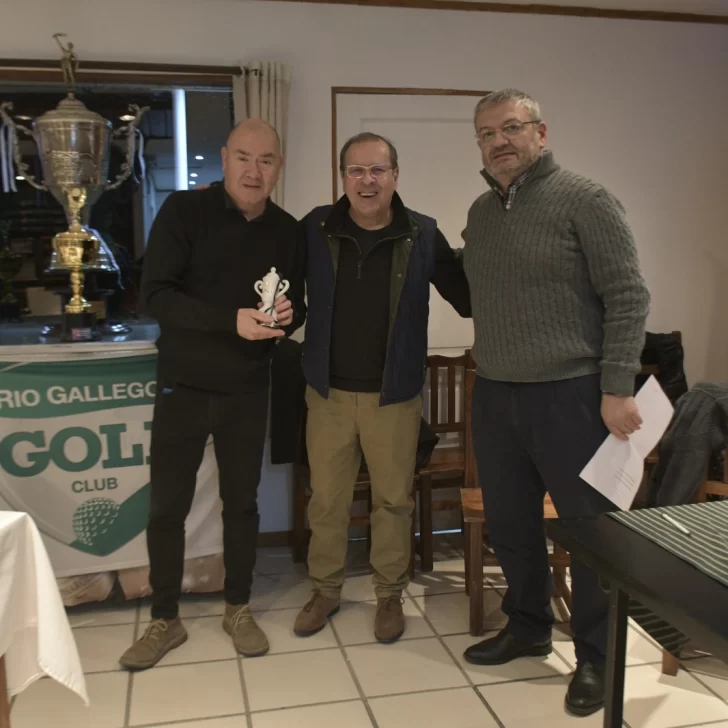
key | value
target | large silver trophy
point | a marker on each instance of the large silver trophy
(74, 145)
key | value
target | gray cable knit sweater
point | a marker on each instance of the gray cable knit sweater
(555, 283)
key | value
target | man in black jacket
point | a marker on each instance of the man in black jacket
(370, 262)
(206, 250)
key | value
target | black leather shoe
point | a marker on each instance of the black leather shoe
(503, 648)
(586, 691)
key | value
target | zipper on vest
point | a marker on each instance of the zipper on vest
(371, 250)
(360, 259)
(360, 262)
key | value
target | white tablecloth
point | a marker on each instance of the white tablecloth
(35, 636)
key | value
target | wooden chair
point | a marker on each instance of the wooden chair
(446, 468)
(670, 663)
(475, 559)
(302, 495)
(475, 525)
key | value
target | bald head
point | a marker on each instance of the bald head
(253, 127)
(251, 163)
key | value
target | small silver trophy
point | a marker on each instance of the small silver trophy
(269, 289)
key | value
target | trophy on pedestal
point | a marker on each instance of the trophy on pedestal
(73, 145)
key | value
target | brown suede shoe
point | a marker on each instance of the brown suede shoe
(312, 618)
(389, 622)
(161, 636)
(248, 638)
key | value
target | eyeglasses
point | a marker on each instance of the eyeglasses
(357, 171)
(486, 136)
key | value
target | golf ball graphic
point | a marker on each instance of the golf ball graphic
(93, 519)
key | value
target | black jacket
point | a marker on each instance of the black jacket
(699, 430)
(202, 261)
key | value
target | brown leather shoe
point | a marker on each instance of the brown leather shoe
(161, 636)
(389, 622)
(312, 618)
(248, 638)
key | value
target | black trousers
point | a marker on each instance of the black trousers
(529, 439)
(183, 420)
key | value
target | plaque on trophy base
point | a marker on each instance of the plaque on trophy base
(77, 327)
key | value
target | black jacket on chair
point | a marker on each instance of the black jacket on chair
(699, 430)
(666, 352)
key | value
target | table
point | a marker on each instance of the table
(636, 567)
(35, 636)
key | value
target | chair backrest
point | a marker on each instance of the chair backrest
(447, 412)
(648, 369)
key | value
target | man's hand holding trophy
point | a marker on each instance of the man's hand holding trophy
(274, 311)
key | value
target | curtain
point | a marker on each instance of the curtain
(261, 92)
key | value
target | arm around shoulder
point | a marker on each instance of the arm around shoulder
(449, 276)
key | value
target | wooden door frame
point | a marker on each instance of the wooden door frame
(379, 91)
(572, 11)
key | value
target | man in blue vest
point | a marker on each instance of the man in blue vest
(370, 261)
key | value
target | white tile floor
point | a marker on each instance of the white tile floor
(342, 678)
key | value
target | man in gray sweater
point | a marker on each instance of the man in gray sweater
(559, 308)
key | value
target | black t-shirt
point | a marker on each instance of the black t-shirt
(360, 325)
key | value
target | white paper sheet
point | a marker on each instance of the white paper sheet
(617, 467)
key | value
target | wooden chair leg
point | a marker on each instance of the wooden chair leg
(475, 578)
(466, 555)
(561, 607)
(426, 547)
(411, 567)
(562, 593)
(670, 663)
(299, 521)
(369, 522)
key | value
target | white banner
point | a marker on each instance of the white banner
(74, 454)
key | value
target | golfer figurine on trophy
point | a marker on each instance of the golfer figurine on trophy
(269, 289)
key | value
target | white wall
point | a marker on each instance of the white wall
(640, 106)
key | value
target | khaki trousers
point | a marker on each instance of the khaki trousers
(338, 431)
